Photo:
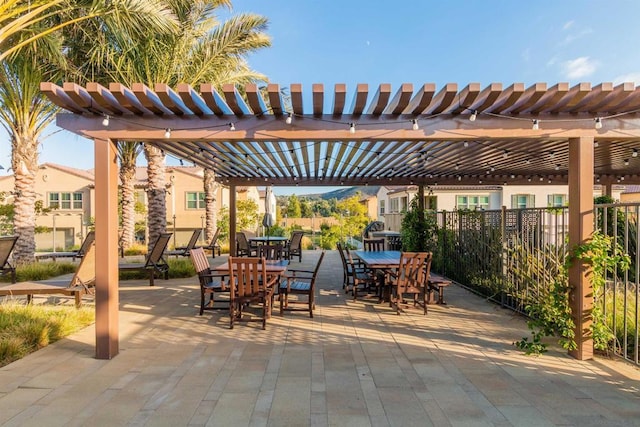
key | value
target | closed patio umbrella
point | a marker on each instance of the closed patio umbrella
(269, 210)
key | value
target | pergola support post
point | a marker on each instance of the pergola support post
(106, 217)
(581, 162)
(232, 219)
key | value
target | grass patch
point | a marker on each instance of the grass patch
(136, 249)
(27, 328)
(178, 269)
(40, 271)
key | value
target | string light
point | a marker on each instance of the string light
(232, 126)
(167, 133)
(635, 153)
(505, 154)
(415, 125)
(536, 124)
(466, 144)
(289, 119)
(626, 162)
(473, 116)
(352, 128)
(105, 121)
(598, 123)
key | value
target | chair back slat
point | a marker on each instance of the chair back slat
(243, 243)
(214, 239)
(296, 240)
(373, 245)
(155, 256)
(193, 240)
(200, 261)
(7, 243)
(247, 274)
(85, 275)
(273, 251)
(88, 240)
(413, 270)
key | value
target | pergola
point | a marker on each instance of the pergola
(580, 135)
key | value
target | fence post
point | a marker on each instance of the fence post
(503, 237)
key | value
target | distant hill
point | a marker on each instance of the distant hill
(345, 193)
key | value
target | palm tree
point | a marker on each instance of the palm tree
(202, 50)
(127, 154)
(210, 193)
(33, 52)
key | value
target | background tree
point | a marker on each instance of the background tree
(293, 208)
(247, 217)
(353, 216)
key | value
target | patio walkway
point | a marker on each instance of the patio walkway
(354, 364)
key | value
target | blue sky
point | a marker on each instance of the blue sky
(484, 41)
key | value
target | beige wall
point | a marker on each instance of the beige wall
(70, 224)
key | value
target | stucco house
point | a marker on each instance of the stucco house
(69, 192)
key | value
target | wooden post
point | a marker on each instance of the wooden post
(106, 217)
(581, 164)
(232, 219)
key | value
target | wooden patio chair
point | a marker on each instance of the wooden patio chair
(294, 247)
(373, 245)
(81, 283)
(210, 283)
(249, 285)
(410, 278)
(355, 276)
(154, 262)
(274, 251)
(242, 246)
(299, 282)
(185, 250)
(7, 243)
(214, 246)
(88, 239)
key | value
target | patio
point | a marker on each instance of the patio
(353, 364)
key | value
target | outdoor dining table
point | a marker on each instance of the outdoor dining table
(388, 260)
(268, 239)
(273, 267)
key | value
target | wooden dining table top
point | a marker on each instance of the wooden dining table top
(378, 259)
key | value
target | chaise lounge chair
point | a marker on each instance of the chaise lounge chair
(89, 238)
(185, 250)
(81, 283)
(7, 243)
(155, 262)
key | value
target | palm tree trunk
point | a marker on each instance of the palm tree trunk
(127, 175)
(210, 198)
(24, 162)
(157, 214)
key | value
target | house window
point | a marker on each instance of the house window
(195, 200)
(382, 207)
(522, 201)
(557, 200)
(472, 202)
(393, 205)
(65, 201)
(403, 204)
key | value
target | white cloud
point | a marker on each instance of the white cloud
(568, 25)
(570, 38)
(630, 77)
(579, 67)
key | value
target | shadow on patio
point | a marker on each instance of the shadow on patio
(354, 363)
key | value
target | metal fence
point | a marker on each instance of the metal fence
(512, 256)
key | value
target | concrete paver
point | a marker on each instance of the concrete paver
(353, 364)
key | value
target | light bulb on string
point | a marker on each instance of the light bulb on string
(634, 153)
(473, 116)
(289, 119)
(352, 128)
(536, 124)
(598, 123)
(232, 126)
(105, 121)
(414, 124)
(167, 133)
